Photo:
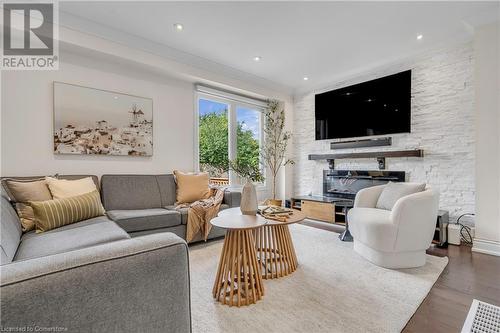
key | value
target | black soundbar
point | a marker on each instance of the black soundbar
(361, 143)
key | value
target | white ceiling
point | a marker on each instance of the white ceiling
(324, 41)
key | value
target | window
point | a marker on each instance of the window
(228, 127)
(213, 138)
(248, 136)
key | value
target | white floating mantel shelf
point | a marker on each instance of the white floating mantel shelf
(379, 155)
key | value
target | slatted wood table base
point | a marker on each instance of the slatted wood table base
(238, 280)
(275, 251)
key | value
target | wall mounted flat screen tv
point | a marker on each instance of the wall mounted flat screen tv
(377, 107)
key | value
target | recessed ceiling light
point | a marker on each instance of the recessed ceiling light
(306, 78)
(178, 27)
(419, 37)
(257, 58)
(115, 97)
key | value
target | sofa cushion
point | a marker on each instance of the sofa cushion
(168, 189)
(184, 211)
(10, 231)
(373, 227)
(392, 192)
(65, 188)
(24, 191)
(232, 198)
(120, 192)
(179, 230)
(145, 219)
(51, 214)
(71, 237)
(95, 179)
(215, 232)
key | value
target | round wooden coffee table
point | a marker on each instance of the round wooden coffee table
(275, 248)
(274, 245)
(239, 278)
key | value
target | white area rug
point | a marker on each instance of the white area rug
(333, 290)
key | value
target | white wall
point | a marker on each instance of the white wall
(27, 118)
(442, 125)
(487, 77)
(90, 60)
(27, 113)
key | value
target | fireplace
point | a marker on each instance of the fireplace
(346, 183)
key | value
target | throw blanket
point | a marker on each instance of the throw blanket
(200, 213)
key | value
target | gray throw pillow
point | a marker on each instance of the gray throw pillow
(394, 191)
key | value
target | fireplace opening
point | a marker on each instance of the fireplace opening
(346, 183)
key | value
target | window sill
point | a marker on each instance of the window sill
(238, 188)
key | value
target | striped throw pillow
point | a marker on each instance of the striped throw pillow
(51, 214)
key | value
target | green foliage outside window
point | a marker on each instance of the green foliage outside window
(213, 134)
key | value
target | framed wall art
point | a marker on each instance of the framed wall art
(95, 121)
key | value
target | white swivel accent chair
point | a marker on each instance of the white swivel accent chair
(394, 238)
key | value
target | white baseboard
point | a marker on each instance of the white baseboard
(486, 246)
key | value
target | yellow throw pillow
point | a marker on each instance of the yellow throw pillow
(23, 192)
(55, 213)
(191, 187)
(63, 188)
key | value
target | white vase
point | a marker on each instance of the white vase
(248, 204)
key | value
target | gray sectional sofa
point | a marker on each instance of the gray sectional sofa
(144, 204)
(125, 273)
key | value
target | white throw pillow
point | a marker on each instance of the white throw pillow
(63, 188)
(392, 192)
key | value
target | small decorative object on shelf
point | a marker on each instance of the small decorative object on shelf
(251, 174)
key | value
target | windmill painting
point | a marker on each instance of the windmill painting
(93, 121)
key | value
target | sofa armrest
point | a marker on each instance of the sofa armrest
(138, 284)
(232, 198)
(368, 197)
(415, 216)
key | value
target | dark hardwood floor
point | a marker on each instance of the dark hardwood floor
(468, 275)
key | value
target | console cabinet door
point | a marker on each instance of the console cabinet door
(319, 210)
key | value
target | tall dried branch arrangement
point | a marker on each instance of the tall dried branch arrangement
(276, 140)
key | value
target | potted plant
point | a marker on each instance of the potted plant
(276, 140)
(251, 174)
